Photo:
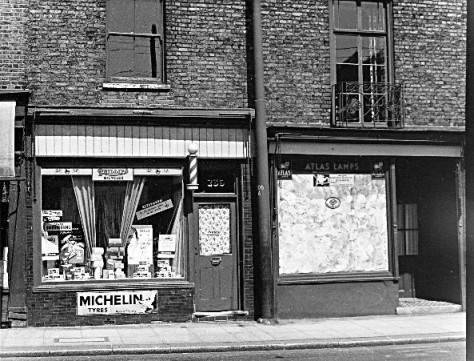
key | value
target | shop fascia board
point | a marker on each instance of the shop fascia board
(454, 135)
(406, 143)
(150, 116)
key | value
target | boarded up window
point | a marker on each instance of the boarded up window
(135, 38)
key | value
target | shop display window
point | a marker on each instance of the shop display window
(332, 223)
(126, 226)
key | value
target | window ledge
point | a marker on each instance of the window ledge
(111, 285)
(336, 278)
(135, 86)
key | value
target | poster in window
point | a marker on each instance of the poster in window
(140, 245)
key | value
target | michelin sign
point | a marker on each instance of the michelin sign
(119, 302)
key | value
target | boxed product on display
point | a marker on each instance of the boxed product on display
(70, 239)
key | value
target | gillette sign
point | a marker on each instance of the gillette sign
(112, 174)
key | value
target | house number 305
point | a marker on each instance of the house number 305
(215, 183)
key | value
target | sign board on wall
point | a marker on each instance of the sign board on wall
(153, 208)
(326, 180)
(112, 174)
(116, 302)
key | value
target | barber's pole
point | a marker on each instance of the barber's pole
(193, 167)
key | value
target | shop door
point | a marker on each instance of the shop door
(215, 255)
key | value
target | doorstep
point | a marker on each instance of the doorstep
(220, 316)
(418, 306)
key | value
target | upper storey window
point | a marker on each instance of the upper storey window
(360, 34)
(135, 43)
(363, 92)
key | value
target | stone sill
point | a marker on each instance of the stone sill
(110, 285)
(132, 86)
(336, 278)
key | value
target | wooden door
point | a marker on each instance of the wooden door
(215, 255)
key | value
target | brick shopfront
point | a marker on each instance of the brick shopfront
(120, 231)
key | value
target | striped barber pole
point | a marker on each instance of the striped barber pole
(193, 172)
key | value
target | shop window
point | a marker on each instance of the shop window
(135, 44)
(407, 229)
(102, 229)
(333, 224)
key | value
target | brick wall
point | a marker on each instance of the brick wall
(430, 43)
(13, 18)
(59, 309)
(297, 61)
(205, 55)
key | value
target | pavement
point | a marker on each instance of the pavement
(165, 338)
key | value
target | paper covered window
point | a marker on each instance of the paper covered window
(332, 223)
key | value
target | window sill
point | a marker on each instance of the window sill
(111, 285)
(336, 278)
(135, 85)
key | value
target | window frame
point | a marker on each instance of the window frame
(103, 284)
(135, 82)
(387, 33)
(341, 277)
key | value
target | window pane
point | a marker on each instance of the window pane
(346, 49)
(374, 74)
(118, 16)
(345, 14)
(373, 50)
(351, 106)
(120, 56)
(347, 73)
(375, 108)
(373, 15)
(318, 237)
(146, 55)
(146, 15)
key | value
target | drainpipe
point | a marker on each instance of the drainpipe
(469, 162)
(265, 259)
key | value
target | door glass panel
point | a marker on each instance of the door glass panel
(346, 14)
(214, 229)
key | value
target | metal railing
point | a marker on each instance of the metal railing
(363, 105)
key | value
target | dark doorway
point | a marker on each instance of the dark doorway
(428, 248)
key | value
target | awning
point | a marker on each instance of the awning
(143, 135)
